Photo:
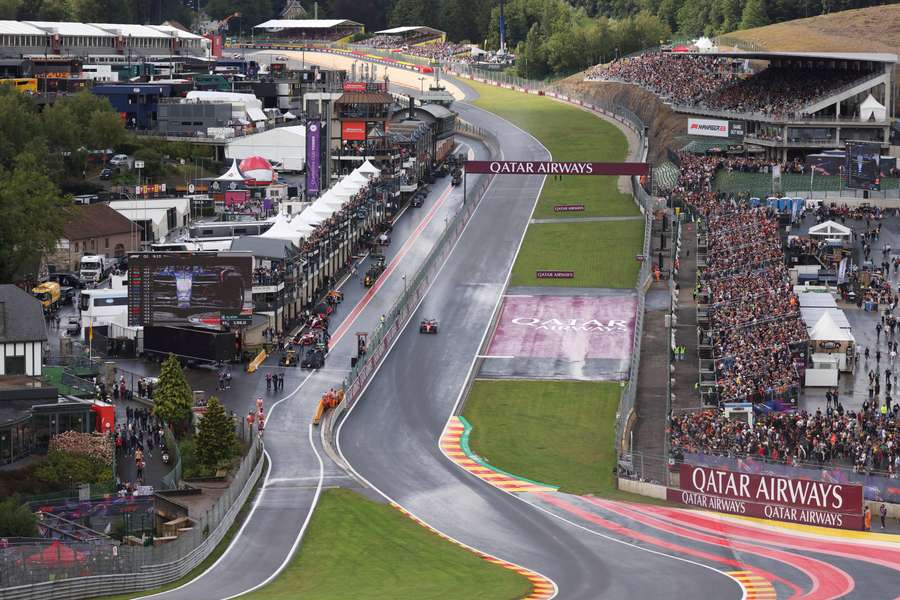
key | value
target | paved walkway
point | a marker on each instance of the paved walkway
(585, 219)
(684, 393)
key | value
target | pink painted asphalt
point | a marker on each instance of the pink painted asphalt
(570, 328)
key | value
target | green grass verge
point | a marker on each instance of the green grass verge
(601, 253)
(356, 548)
(556, 432)
(570, 134)
(213, 557)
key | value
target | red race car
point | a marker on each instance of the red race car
(428, 326)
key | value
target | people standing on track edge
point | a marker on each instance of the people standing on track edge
(867, 519)
(882, 513)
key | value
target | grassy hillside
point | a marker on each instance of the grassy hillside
(874, 29)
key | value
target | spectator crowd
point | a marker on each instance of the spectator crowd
(714, 82)
(866, 439)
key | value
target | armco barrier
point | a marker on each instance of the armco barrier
(417, 286)
(109, 569)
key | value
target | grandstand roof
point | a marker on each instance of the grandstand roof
(19, 28)
(409, 29)
(860, 56)
(131, 29)
(68, 28)
(304, 23)
(176, 32)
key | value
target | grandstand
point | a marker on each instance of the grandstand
(412, 35)
(308, 30)
(110, 42)
(782, 103)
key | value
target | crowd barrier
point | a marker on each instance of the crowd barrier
(63, 571)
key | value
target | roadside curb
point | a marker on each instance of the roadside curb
(542, 588)
(454, 444)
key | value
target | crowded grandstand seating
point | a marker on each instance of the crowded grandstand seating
(677, 78)
(866, 439)
(405, 43)
(712, 82)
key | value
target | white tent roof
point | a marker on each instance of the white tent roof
(368, 168)
(303, 23)
(331, 200)
(704, 43)
(212, 96)
(310, 217)
(814, 299)
(871, 102)
(233, 174)
(357, 177)
(827, 330)
(830, 229)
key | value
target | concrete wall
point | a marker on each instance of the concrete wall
(652, 490)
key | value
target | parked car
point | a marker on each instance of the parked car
(106, 173)
(119, 160)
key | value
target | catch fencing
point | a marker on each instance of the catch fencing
(49, 571)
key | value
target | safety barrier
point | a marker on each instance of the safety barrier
(99, 569)
(416, 287)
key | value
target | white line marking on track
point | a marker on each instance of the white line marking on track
(492, 356)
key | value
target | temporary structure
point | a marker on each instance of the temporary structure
(872, 110)
(369, 170)
(831, 230)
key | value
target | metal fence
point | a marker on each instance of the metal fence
(88, 570)
(417, 286)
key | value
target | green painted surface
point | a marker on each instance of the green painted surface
(464, 443)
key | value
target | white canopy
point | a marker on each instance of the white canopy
(872, 110)
(329, 199)
(324, 208)
(233, 173)
(357, 177)
(287, 229)
(368, 169)
(827, 330)
(310, 217)
(831, 230)
(704, 43)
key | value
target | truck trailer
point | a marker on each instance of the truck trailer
(191, 345)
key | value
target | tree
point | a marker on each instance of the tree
(754, 14)
(216, 442)
(9, 9)
(172, 397)
(33, 216)
(16, 519)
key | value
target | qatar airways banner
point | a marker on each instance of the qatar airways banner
(780, 498)
(535, 167)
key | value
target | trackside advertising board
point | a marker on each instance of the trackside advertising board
(770, 497)
(708, 127)
(539, 167)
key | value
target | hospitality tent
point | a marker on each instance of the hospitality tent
(332, 200)
(831, 230)
(288, 229)
(232, 174)
(872, 110)
(828, 337)
(369, 170)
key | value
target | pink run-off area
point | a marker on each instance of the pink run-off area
(567, 328)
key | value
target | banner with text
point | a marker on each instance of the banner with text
(708, 127)
(313, 152)
(805, 501)
(535, 167)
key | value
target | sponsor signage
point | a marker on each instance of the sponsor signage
(735, 129)
(771, 496)
(353, 130)
(708, 127)
(775, 512)
(555, 275)
(354, 86)
(536, 167)
(313, 153)
(568, 208)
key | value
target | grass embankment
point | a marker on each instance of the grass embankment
(356, 548)
(555, 432)
(600, 253)
(570, 134)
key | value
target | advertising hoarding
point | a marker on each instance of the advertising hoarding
(353, 130)
(201, 289)
(313, 156)
(863, 166)
(735, 129)
(536, 167)
(708, 127)
(828, 504)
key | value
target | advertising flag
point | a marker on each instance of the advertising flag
(313, 151)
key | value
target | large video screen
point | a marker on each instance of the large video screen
(200, 289)
(863, 172)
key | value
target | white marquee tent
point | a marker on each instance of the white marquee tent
(831, 230)
(872, 110)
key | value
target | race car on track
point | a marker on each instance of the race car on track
(428, 326)
(314, 359)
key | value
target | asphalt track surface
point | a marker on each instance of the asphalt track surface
(391, 436)
(391, 440)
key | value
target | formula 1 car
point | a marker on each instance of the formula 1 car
(428, 326)
(374, 272)
(307, 339)
(314, 359)
(334, 297)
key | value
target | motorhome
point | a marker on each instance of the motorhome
(102, 308)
